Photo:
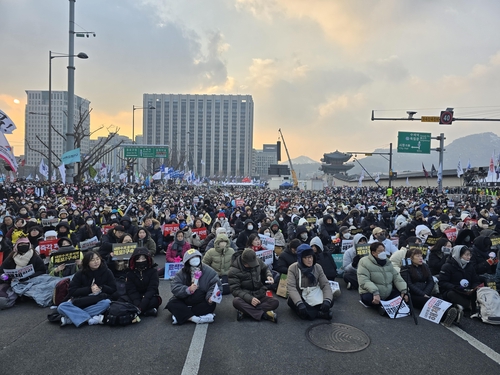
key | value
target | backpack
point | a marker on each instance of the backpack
(488, 303)
(122, 314)
(60, 292)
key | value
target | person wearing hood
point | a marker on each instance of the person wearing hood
(23, 255)
(324, 258)
(248, 277)
(291, 227)
(377, 278)
(327, 230)
(302, 234)
(250, 228)
(369, 223)
(483, 259)
(88, 231)
(126, 221)
(350, 262)
(35, 234)
(287, 257)
(154, 228)
(177, 248)
(63, 230)
(142, 282)
(465, 237)
(458, 280)
(192, 289)
(64, 270)
(91, 287)
(143, 239)
(219, 258)
(438, 254)
(279, 239)
(305, 273)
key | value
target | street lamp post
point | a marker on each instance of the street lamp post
(53, 55)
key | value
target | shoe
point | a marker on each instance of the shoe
(381, 311)
(349, 286)
(174, 320)
(239, 315)
(65, 321)
(163, 252)
(460, 313)
(450, 317)
(208, 318)
(98, 319)
(271, 316)
(151, 312)
(327, 316)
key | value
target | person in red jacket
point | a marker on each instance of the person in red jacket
(177, 248)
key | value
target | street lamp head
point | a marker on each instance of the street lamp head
(82, 55)
(152, 107)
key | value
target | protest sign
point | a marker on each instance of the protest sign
(266, 256)
(356, 231)
(216, 294)
(65, 256)
(123, 251)
(106, 228)
(495, 241)
(338, 259)
(422, 248)
(20, 273)
(47, 246)
(363, 249)
(391, 306)
(206, 219)
(89, 244)
(436, 225)
(434, 309)
(451, 234)
(50, 222)
(169, 229)
(431, 241)
(171, 269)
(239, 202)
(395, 241)
(311, 220)
(267, 242)
(346, 244)
(201, 232)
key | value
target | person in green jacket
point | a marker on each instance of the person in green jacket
(219, 258)
(378, 279)
(143, 239)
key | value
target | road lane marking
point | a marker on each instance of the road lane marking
(193, 358)
(476, 344)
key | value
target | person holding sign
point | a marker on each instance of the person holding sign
(89, 292)
(350, 262)
(377, 278)
(192, 289)
(22, 256)
(309, 293)
(63, 269)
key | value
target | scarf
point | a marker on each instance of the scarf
(22, 260)
(308, 271)
(177, 247)
(381, 262)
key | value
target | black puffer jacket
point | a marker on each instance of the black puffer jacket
(247, 283)
(419, 284)
(142, 285)
(480, 255)
(452, 273)
(241, 242)
(328, 230)
(80, 285)
(436, 261)
(286, 259)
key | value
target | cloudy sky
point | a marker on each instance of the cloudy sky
(315, 68)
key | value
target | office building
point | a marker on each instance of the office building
(37, 125)
(262, 159)
(211, 135)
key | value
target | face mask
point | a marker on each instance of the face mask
(200, 216)
(405, 212)
(446, 250)
(382, 256)
(337, 213)
(237, 215)
(22, 249)
(351, 220)
(250, 227)
(50, 217)
(141, 265)
(467, 239)
(195, 262)
(267, 233)
(303, 236)
(1, 238)
(381, 237)
(222, 245)
(464, 262)
(113, 216)
(90, 222)
(280, 219)
(100, 209)
(96, 213)
(347, 236)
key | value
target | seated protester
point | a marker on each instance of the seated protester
(35, 234)
(192, 289)
(250, 228)
(458, 280)
(377, 278)
(17, 231)
(219, 258)
(254, 242)
(218, 231)
(88, 231)
(89, 293)
(438, 254)
(305, 274)
(248, 276)
(324, 258)
(287, 257)
(380, 235)
(483, 259)
(5, 246)
(302, 234)
(177, 248)
(350, 262)
(63, 215)
(120, 267)
(8, 223)
(126, 221)
(23, 255)
(328, 229)
(143, 239)
(207, 243)
(419, 279)
(142, 282)
(192, 237)
(279, 239)
(154, 228)
(63, 231)
(48, 236)
(397, 258)
(64, 270)
(113, 236)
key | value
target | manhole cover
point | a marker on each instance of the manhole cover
(338, 337)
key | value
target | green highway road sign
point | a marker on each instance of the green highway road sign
(147, 152)
(414, 143)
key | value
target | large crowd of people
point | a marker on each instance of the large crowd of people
(382, 243)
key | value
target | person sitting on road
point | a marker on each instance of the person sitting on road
(142, 282)
(177, 248)
(64, 270)
(397, 258)
(350, 262)
(192, 289)
(324, 258)
(438, 254)
(89, 293)
(247, 278)
(143, 239)
(377, 278)
(219, 258)
(287, 257)
(380, 235)
(309, 293)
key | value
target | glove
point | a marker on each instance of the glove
(302, 310)
(325, 306)
(355, 261)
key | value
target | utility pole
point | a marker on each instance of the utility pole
(70, 136)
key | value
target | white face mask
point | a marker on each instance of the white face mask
(347, 236)
(250, 227)
(222, 244)
(195, 262)
(280, 219)
(90, 222)
(113, 216)
(267, 233)
(382, 256)
(351, 220)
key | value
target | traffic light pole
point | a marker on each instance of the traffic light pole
(441, 150)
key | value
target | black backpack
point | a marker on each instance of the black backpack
(122, 314)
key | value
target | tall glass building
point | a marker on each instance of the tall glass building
(211, 135)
